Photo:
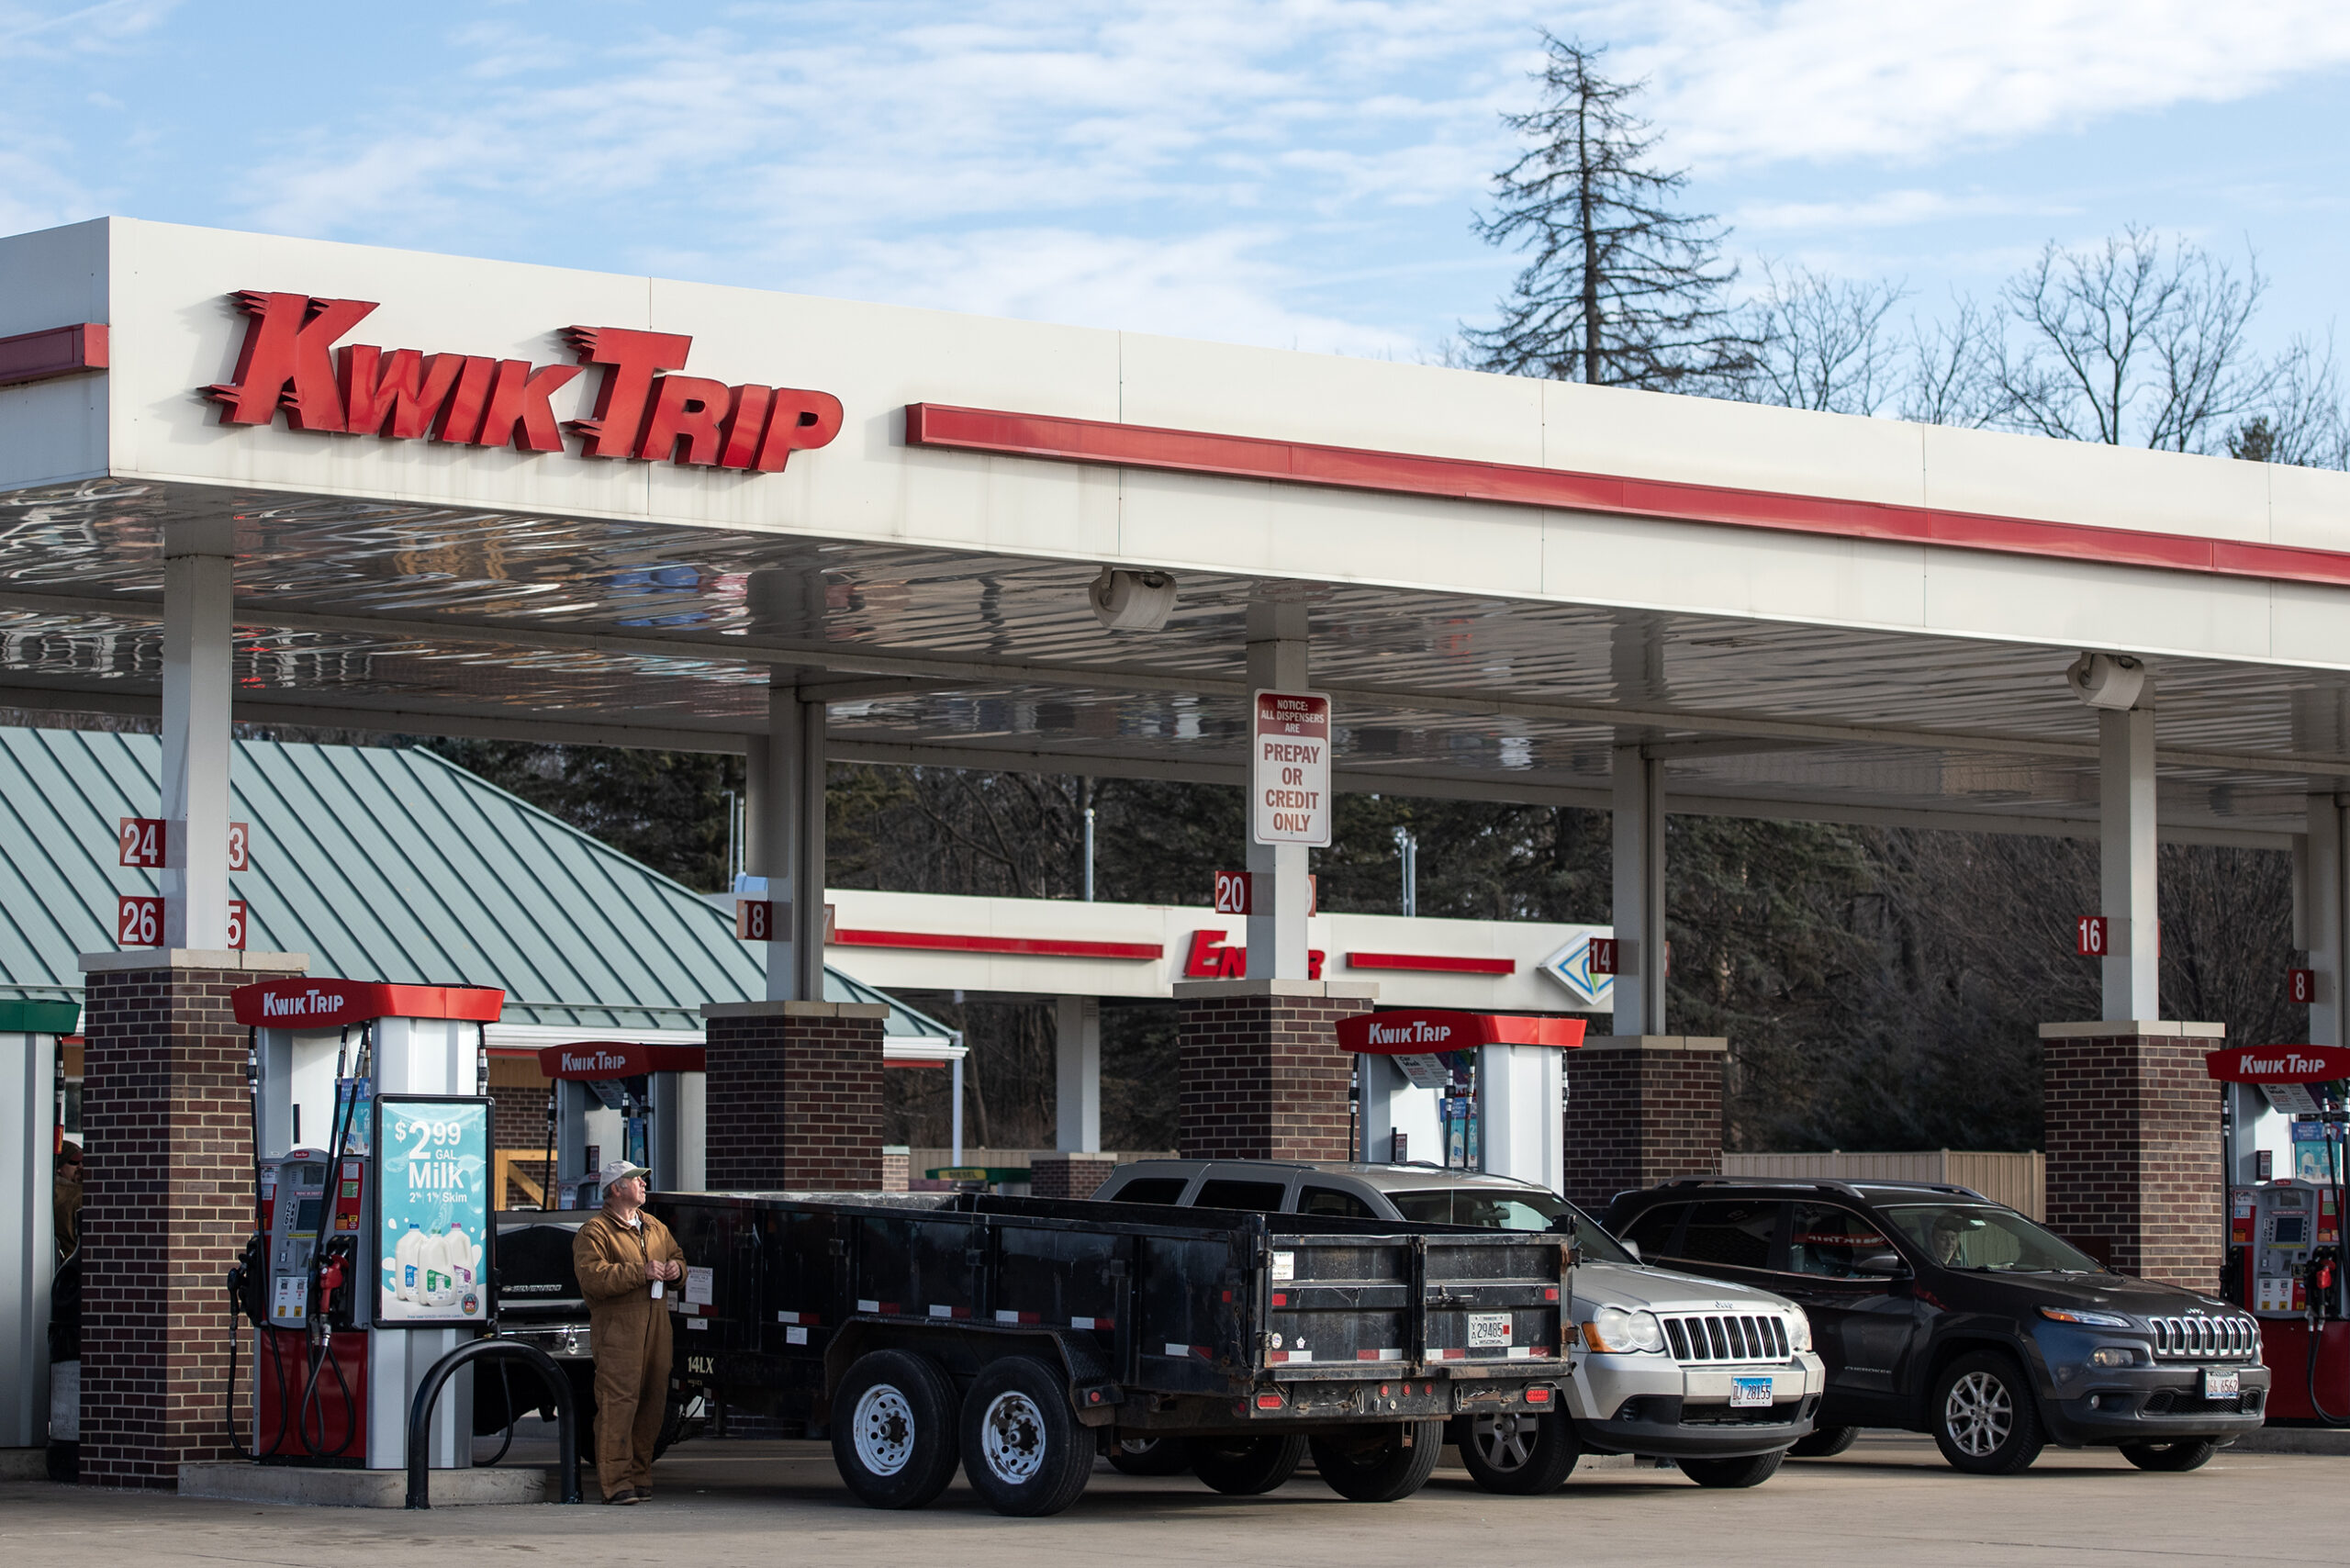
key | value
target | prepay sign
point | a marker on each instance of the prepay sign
(1289, 772)
(432, 1208)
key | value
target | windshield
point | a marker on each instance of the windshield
(1507, 1209)
(1975, 1235)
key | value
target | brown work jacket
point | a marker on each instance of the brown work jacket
(610, 1259)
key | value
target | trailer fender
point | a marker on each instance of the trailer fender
(964, 1347)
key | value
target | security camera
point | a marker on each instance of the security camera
(2107, 680)
(1132, 601)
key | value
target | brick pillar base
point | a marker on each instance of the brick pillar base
(1259, 1072)
(2133, 1147)
(1642, 1109)
(168, 1202)
(793, 1096)
(896, 1167)
(1069, 1175)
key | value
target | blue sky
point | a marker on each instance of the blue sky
(1300, 175)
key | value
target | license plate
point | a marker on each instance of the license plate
(2219, 1384)
(1488, 1330)
(1750, 1392)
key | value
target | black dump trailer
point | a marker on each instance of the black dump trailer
(1019, 1337)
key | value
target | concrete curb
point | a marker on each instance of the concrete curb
(24, 1464)
(237, 1481)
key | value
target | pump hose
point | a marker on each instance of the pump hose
(506, 1388)
(229, 1393)
(2317, 1312)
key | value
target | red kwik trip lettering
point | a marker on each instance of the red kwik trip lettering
(1209, 958)
(460, 419)
(398, 394)
(519, 414)
(745, 423)
(690, 409)
(633, 357)
(284, 362)
(801, 421)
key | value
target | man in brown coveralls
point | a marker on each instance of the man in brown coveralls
(627, 1262)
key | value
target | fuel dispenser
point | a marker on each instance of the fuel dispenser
(1469, 1090)
(371, 1253)
(630, 1100)
(2283, 1138)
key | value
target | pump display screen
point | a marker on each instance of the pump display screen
(2292, 1230)
(307, 1216)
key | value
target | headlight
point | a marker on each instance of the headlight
(1798, 1329)
(1616, 1330)
(2084, 1318)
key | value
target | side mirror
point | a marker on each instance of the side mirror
(1882, 1265)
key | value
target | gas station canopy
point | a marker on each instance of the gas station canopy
(1803, 615)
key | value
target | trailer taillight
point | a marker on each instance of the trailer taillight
(1538, 1396)
(1268, 1401)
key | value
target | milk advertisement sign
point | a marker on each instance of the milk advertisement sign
(433, 1211)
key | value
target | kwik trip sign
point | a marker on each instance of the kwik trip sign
(292, 361)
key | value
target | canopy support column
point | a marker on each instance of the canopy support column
(2133, 934)
(784, 798)
(1278, 895)
(1640, 953)
(198, 643)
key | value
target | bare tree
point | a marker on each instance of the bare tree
(1953, 371)
(2303, 423)
(1819, 342)
(1621, 290)
(2126, 345)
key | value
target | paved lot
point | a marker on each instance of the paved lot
(1889, 1499)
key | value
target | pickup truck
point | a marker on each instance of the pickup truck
(1019, 1337)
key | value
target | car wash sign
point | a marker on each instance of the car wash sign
(290, 363)
(1289, 770)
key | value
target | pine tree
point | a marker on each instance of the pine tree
(1621, 290)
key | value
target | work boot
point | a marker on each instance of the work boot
(625, 1494)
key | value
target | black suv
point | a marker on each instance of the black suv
(1940, 1311)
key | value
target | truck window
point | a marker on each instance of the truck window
(1831, 1241)
(1651, 1232)
(1151, 1190)
(1330, 1201)
(1265, 1197)
(1735, 1232)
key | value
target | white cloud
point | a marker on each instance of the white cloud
(1743, 83)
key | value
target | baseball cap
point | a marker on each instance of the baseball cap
(618, 1170)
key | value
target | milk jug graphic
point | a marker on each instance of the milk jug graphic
(435, 1286)
(406, 1258)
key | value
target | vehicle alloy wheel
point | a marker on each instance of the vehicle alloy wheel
(1379, 1464)
(1244, 1467)
(1985, 1420)
(894, 1441)
(1023, 1449)
(1150, 1456)
(2186, 1453)
(1520, 1453)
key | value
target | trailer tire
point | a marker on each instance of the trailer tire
(1150, 1456)
(1752, 1470)
(1245, 1467)
(1521, 1455)
(1378, 1467)
(1023, 1449)
(894, 1430)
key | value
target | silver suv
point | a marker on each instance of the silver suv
(1720, 1378)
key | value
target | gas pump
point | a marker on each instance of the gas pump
(628, 1100)
(1487, 1090)
(2283, 1135)
(370, 1256)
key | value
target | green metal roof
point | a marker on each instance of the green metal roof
(381, 864)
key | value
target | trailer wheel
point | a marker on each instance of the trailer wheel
(1379, 1466)
(1150, 1456)
(1520, 1454)
(1023, 1446)
(1751, 1471)
(893, 1429)
(1244, 1467)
